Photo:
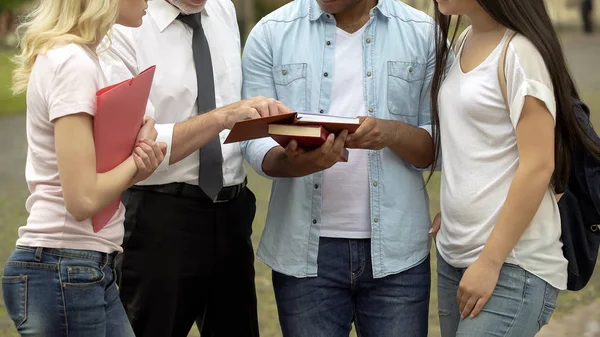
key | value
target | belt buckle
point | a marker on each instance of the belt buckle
(217, 201)
(236, 192)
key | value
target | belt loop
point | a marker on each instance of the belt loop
(38, 254)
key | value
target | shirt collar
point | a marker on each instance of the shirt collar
(315, 11)
(164, 13)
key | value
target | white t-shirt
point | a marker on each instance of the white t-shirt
(480, 159)
(346, 212)
(64, 81)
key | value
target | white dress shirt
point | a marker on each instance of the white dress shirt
(166, 42)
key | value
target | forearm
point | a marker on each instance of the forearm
(276, 164)
(96, 190)
(522, 203)
(111, 184)
(191, 135)
(413, 144)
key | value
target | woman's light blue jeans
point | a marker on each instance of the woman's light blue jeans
(521, 304)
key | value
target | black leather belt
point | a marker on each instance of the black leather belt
(227, 193)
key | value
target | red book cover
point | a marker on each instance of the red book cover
(309, 137)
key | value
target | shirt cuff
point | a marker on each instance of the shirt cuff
(165, 135)
(429, 130)
(257, 150)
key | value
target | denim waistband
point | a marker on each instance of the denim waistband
(103, 258)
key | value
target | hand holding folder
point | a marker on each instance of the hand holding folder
(120, 110)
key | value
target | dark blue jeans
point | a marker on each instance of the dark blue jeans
(62, 292)
(345, 292)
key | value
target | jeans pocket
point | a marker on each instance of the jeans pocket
(549, 305)
(81, 276)
(14, 290)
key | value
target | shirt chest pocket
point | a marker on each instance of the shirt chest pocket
(405, 81)
(291, 85)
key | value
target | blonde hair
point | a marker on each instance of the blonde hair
(59, 22)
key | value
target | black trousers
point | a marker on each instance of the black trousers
(188, 260)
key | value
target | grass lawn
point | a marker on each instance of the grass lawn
(9, 104)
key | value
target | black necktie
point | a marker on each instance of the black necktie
(210, 177)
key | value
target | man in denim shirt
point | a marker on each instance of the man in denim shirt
(347, 241)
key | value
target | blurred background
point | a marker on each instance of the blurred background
(577, 314)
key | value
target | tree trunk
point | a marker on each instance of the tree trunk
(5, 20)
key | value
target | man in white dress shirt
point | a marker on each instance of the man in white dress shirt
(188, 256)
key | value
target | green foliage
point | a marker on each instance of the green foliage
(7, 5)
(9, 104)
(262, 9)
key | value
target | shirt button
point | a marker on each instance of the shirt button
(410, 69)
(329, 43)
(284, 72)
(369, 74)
(368, 40)
(316, 186)
(375, 220)
(321, 111)
(314, 221)
(375, 184)
(371, 109)
(325, 74)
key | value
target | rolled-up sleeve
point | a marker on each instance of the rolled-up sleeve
(257, 65)
(424, 113)
(425, 103)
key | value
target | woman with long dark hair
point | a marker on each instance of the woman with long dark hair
(500, 262)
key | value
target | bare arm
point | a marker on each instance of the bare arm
(413, 144)
(85, 191)
(535, 140)
(192, 134)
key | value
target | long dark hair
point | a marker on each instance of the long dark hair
(530, 19)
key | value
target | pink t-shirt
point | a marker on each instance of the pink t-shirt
(64, 81)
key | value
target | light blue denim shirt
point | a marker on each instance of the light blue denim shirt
(289, 56)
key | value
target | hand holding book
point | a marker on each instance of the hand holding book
(372, 134)
(307, 162)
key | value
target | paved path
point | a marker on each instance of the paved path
(582, 55)
(12, 163)
(583, 322)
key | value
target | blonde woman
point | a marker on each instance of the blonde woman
(59, 281)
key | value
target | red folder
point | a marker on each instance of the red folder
(120, 110)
